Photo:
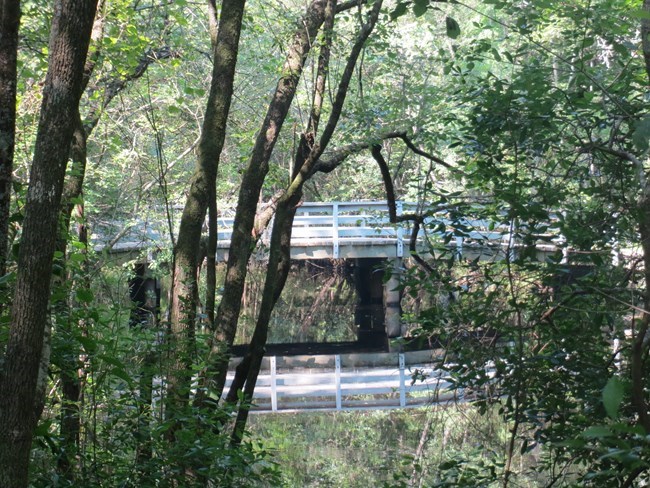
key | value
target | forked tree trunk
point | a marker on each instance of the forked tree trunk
(69, 40)
(280, 252)
(242, 239)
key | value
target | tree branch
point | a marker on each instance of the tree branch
(115, 85)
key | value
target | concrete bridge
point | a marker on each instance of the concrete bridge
(357, 231)
(369, 373)
(344, 230)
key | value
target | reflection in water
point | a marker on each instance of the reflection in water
(317, 304)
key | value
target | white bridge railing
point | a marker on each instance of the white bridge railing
(350, 382)
(347, 230)
(338, 227)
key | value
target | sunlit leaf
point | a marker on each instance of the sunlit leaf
(613, 396)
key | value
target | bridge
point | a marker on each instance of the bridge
(343, 230)
(356, 231)
(371, 373)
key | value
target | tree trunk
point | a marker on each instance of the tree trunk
(258, 165)
(280, 250)
(202, 191)
(70, 370)
(69, 40)
(276, 277)
(9, 22)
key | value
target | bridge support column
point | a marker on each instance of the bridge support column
(378, 312)
(392, 301)
(369, 310)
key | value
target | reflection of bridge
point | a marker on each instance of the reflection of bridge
(350, 382)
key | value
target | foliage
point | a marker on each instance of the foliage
(540, 108)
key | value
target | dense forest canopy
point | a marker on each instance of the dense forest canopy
(531, 116)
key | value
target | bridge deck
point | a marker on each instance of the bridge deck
(350, 230)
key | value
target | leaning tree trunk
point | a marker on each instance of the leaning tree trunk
(9, 22)
(202, 191)
(69, 40)
(242, 238)
(280, 252)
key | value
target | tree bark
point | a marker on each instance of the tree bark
(9, 22)
(184, 297)
(69, 40)
(242, 238)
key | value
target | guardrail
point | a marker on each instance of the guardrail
(341, 229)
(351, 382)
(337, 224)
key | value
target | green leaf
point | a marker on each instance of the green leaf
(121, 374)
(9, 277)
(399, 10)
(641, 135)
(420, 7)
(89, 344)
(77, 257)
(640, 14)
(613, 396)
(597, 431)
(85, 295)
(453, 29)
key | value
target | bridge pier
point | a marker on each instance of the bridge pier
(393, 300)
(369, 309)
(378, 310)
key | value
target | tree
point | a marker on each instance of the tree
(570, 154)
(69, 42)
(9, 22)
(202, 195)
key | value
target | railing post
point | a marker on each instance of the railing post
(335, 230)
(565, 248)
(274, 390)
(400, 231)
(512, 252)
(459, 246)
(402, 381)
(337, 376)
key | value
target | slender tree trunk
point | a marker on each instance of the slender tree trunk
(69, 40)
(242, 238)
(278, 270)
(70, 364)
(184, 297)
(9, 22)
(280, 251)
